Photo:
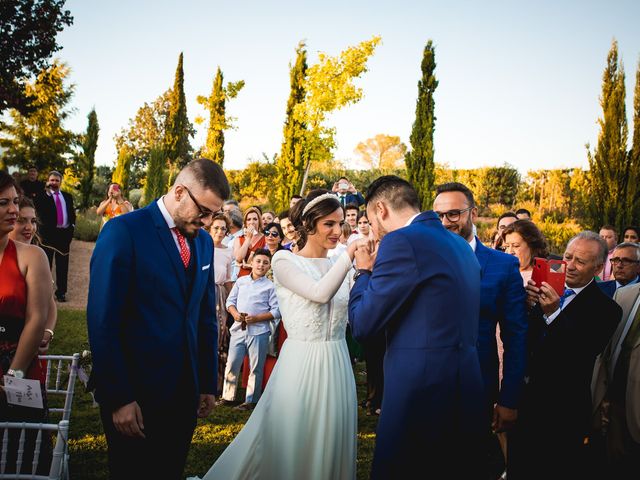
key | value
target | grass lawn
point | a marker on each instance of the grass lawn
(87, 445)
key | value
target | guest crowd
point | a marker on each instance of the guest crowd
(560, 360)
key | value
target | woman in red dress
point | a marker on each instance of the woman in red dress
(25, 295)
(251, 240)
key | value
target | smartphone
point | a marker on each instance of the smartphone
(343, 186)
(551, 271)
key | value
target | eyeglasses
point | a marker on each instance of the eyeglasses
(269, 233)
(219, 229)
(624, 262)
(452, 215)
(204, 212)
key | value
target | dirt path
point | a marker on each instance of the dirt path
(78, 281)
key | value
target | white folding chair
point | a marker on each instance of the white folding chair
(62, 371)
(59, 462)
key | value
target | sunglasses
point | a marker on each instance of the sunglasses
(269, 233)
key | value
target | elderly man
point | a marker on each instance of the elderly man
(616, 391)
(625, 268)
(566, 334)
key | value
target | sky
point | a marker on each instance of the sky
(519, 81)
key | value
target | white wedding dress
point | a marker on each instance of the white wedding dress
(305, 424)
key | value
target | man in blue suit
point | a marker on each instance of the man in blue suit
(625, 268)
(347, 193)
(502, 302)
(152, 325)
(423, 291)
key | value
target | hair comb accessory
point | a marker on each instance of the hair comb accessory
(317, 200)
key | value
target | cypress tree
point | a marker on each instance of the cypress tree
(123, 168)
(634, 153)
(420, 160)
(87, 160)
(178, 129)
(155, 185)
(610, 169)
(291, 161)
(214, 148)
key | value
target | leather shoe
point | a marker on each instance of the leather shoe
(61, 297)
(245, 407)
(225, 403)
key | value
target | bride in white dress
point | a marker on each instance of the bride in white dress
(305, 424)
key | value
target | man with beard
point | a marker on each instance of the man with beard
(152, 325)
(502, 302)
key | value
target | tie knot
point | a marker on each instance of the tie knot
(568, 292)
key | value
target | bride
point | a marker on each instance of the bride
(304, 426)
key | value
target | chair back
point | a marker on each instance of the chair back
(62, 371)
(17, 437)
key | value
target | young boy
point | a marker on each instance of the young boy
(253, 304)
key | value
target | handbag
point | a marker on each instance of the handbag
(272, 348)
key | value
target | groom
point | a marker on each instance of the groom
(423, 290)
(152, 325)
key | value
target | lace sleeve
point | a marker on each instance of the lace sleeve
(289, 275)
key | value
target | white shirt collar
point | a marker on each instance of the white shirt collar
(473, 243)
(411, 219)
(577, 289)
(165, 213)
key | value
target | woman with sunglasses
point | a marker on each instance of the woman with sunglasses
(273, 235)
(250, 241)
(222, 258)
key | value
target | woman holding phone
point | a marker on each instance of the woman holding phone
(525, 241)
(115, 204)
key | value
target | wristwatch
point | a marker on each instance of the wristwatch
(360, 272)
(15, 373)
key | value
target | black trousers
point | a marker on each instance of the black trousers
(56, 246)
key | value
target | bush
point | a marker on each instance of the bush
(558, 234)
(135, 196)
(88, 225)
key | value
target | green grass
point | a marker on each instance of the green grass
(87, 445)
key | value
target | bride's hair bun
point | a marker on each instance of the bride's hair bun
(306, 212)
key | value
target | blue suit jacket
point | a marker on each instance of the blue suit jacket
(608, 287)
(355, 198)
(425, 293)
(147, 329)
(502, 301)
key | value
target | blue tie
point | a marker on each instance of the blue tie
(567, 293)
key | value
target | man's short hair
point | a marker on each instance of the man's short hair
(457, 187)
(55, 173)
(523, 210)
(635, 246)
(351, 206)
(283, 214)
(231, 201)
(507, 215)
(31, 166)
(395, 190)
(235, 217)
(210, 176)
(263, 251)
(593, 237)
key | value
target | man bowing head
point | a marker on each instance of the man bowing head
(152, 325)
(423, 290)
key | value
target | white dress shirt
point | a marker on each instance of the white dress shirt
(65, 217)
(170, 223)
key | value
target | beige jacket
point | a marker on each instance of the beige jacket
(625, 297)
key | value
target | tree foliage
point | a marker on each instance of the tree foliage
(178, 129)
(293, 153)
(155, 182)
(420, 160)
(85, 160)
(382, 151)
(28, 30)
(634, 153)
(219, 121)
(144, 131)
(122, 172)
(612, 180)
(329, 86)
(39, 137)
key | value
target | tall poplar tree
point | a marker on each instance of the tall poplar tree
(122, 173)
(85, 164)
(291, 161)
(219, 121)
(611, 176)
(155, 184)
(634, 153)
(420, 160)
(178, 129)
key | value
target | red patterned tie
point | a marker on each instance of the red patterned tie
(185, 254)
